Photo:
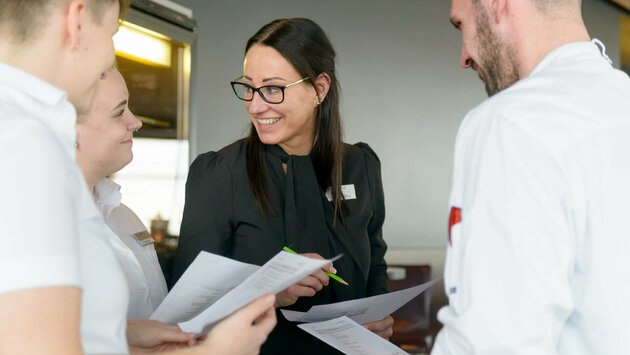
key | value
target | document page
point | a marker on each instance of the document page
(361, 310)
(282, 271)
(207, 279)
(350, 337)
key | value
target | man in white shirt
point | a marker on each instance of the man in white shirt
(61, 288)
(537, 260)
(51, 56)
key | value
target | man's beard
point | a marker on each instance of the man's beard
(497, 65)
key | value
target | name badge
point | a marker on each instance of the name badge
(347, 191)
(143, 238)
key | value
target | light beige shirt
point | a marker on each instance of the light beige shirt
(147, 287)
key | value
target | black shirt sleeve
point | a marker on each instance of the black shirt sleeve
(207, 223)
(377, 279)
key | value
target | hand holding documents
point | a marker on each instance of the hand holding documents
(351, 338)
(331, 275)
(203, 295)
(338, 324)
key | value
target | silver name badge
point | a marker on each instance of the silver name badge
(143, 238)
(347, 191)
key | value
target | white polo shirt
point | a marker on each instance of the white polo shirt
(135, 251)
(52, 234)
(539, 254)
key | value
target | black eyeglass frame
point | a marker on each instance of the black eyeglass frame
(258, 90)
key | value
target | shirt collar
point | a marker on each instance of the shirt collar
(277, 151)
(40, 100)
(570, 50)
(30, 85)
(107, 196)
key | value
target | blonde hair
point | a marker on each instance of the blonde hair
(22, 20)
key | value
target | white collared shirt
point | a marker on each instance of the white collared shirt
(147, 287)
(52, 234)
(539, 239)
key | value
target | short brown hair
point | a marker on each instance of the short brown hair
(546, 5)
(98, 7)
(23, 19)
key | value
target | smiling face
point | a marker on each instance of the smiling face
(104, 135)
(289, 124)
(494, 60)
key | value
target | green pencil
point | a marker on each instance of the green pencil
(332, 276)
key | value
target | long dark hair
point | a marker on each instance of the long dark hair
(305, 45)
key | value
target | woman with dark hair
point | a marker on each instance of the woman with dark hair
(292, 182)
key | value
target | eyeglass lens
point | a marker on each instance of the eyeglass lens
(271, 94)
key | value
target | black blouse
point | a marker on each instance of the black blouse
(221, 216)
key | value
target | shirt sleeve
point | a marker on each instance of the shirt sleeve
(37, 212)
(508, 266)
(377, 279)
(207, 221)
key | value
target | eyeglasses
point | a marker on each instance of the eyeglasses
(272, 94)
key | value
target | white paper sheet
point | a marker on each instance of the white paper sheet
(208, 278)
(361, 310)
(282, 271)
(350, 337)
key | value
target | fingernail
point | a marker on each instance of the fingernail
(334, 270)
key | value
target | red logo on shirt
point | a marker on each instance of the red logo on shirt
(456, 217)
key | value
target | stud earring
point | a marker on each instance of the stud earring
(318, 102)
